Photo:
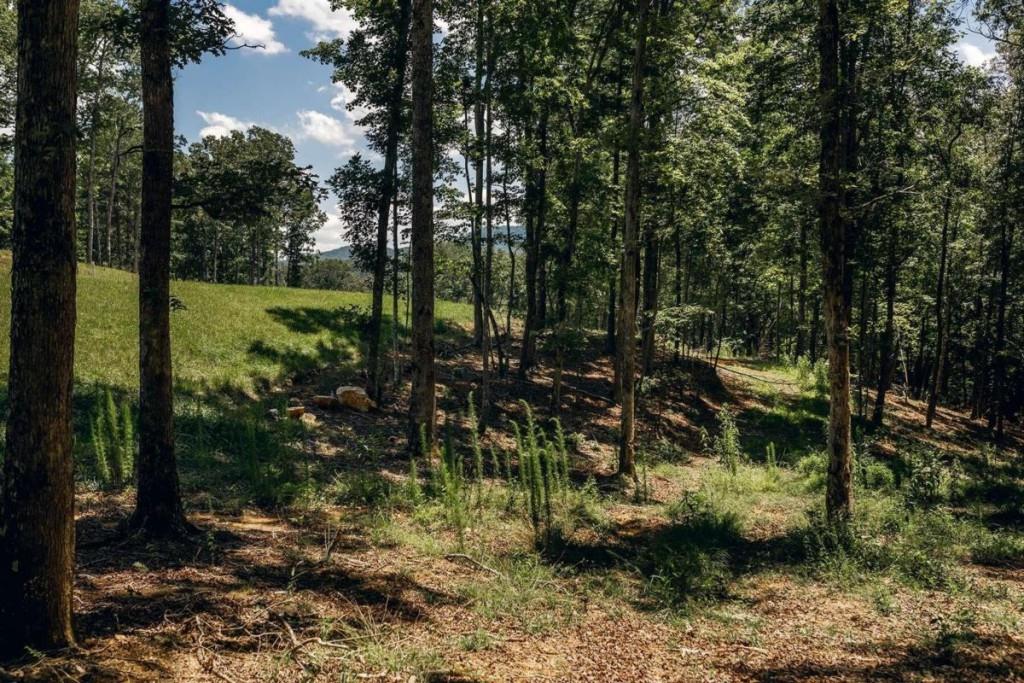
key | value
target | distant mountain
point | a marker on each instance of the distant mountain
(339, 254)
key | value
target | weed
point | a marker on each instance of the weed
(113, 442)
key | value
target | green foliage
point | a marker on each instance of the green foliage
(112, 436)
(725, 446)
(998, 549)
(928, 480)
(543, 473)
(691, 561)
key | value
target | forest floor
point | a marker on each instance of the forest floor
(318, 561)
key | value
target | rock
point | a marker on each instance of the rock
(295, 412)
(274, 414)
(309, 419)
(294, 401)
(327, 402)
(355, 398)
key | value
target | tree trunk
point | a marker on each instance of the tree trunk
(158, 509)
(836, 244)
(90, 175)
(115, 168)
(652, 262)
(801, 324)
(627, 320)
(37, 521)
(940, 332)
(886, 353)
(422, 399)
(373, 374)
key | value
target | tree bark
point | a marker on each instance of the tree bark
(37, 521)
(422, 398)
(158, 508)
(836, 245)
(627, 320)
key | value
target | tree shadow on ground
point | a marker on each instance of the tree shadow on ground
(964, 656)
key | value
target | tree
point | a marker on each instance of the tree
(199, 26)
(422, 398)
(630, 258)
(373, 64)
(37, 506)
(837, 76)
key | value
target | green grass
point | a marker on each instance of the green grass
(229, 337)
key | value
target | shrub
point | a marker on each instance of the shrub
(999, 549)
(878, 477)
(928, 480)
(691, 560)
(726, 444)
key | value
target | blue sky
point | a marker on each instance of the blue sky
(277, 88)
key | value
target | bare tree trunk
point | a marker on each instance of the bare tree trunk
(158, 508)
(801, 329)
(115, 168)
(395, 267)
(652, 262)
(627, 320)
(90, 175)
(373, 374)
(422, 399)
(37, 520)
(940, 332)
(836, 245)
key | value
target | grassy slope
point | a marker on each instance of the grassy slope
(233, 337)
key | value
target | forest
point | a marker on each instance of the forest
(668, 341)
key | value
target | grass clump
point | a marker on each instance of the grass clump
(691, 561)
(525, 589)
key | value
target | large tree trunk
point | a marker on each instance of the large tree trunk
(37, 521)
(158, 509)
(836, 245)
(422, 399)
(627, 319)
(387, 192)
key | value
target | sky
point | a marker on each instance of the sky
(275, 87)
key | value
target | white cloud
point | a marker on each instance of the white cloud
(252, 29)
(329, 236)
(325, 129)
(972, 55)
(219, 125)
(342, 97)
(326, 22)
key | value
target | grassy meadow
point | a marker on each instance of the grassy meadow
(227, 337)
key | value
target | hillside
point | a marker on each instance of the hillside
(320, 557)
(226, 336)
